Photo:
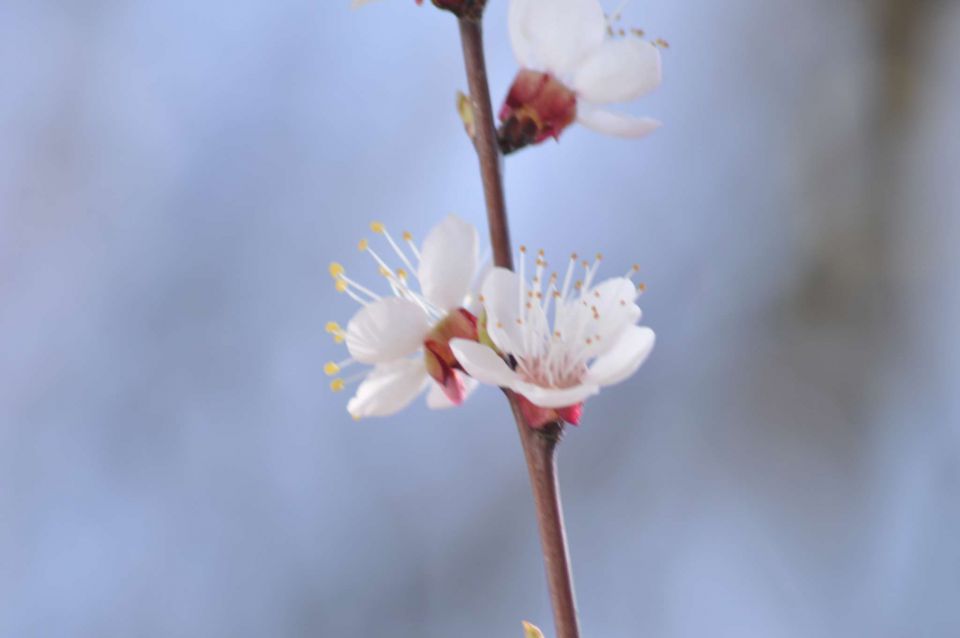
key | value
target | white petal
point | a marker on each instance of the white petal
(556, 397)
(387, 329)
(618, 71)
(448, 260)
(389, 388)
(522, 45)
(483, 364)
(437, 399)
(501, 300)
(618, 311)
(556, 35)
(617, 124)
(631, 350)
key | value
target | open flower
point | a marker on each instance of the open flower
(572, 61)
(556, 343)
(405, 335)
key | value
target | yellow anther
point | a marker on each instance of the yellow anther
(636, 268)
(341, 285)
(337, 385)
(481, 299)
(599, 256)
(377, 227)
(384, 272)
(407, 235)
(362, 245)
(642, 287)
(336, 270)
(401, 273)
(663, 44)
(523, 249)
(333, 327)
(331, 369)
(541, 252)
(338, 338)
(355, 417)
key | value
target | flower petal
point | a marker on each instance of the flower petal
(501, 300)
(618, 71)
(483, 364)
(386, 329)
(448, 260)
(437, 398)
(616, 124)
(388, 388)
(555, 397)
(630, 351)
(556, 35)
(522, 45)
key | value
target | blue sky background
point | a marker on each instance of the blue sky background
(175, 178)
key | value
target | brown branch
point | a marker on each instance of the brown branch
(485, 141)
(540, 452)
(539, 446)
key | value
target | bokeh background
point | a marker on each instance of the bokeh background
(175, 177)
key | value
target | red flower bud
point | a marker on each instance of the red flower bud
(440, 361)
(538, 106)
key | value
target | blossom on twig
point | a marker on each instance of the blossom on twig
(405, 335)
(573, 61)
(555, 363)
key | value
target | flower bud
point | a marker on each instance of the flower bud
(537, 106)
(440, 361)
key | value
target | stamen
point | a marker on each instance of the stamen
(352, 284)
(336, 270)
(338, 385)
(377, 227)
(407, 237)
(334, 367)
(400, 253)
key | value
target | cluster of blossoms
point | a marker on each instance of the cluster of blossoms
(554, 341)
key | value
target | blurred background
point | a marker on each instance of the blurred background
(176, 176)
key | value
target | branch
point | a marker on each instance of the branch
(539, 446)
